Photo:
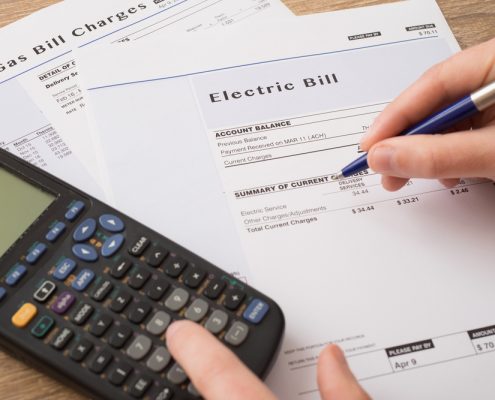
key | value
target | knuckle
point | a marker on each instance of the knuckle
(433, 162)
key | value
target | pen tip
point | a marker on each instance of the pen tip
(337, 176)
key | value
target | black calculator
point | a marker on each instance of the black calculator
(87, 293)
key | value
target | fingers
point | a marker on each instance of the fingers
(213, 369)
(445, 82)
(462, 154)
(335, 379)
(393, 183)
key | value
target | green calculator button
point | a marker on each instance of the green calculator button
(42, 327)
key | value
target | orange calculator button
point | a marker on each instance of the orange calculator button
(24, 315)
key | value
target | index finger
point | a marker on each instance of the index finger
(443, 83)
(213, 369)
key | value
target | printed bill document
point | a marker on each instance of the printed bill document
(401, 281)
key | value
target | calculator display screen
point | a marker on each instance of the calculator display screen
(20, 205)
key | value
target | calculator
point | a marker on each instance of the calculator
(87, 293)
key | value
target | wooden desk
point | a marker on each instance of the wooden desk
(473, 21)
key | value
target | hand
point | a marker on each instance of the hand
(218, 374)
(446, 157)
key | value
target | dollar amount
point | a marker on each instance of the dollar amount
(409, 200)
(455, 192)
(358, 192)
(428, 32)
(359, 210)
(485, 346)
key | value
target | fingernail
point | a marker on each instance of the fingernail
(369, 133)
(381, 158)
(338, 355)
(173, 329)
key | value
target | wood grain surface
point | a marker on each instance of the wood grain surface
(472, 21)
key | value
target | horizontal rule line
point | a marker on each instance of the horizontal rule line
(293, 155)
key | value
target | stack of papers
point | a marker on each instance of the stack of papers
(219, 123)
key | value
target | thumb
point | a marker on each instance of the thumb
(335, 379)
(462, 154)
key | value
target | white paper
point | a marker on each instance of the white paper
(37, 53)
(348, 262)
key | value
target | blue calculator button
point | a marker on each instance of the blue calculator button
(85, 252)
(112, 245)
(15, 274)
(83, 280)
(85, 230)
(256, 311)
(111, 223)
(35, 253)
(75, 209)
(3, 293)
(54, 233)
(64, 268)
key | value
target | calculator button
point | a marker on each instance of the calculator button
(60, 341)
(237, 333)
(159, 359)
(119, 336)
(139, 347)
(193, 277)
(24, 315)
(255, 311)
(214, 288)
(83, 280)
(156, 288)
(36, 252)
(120, 268)
(165, 393)
(191, 389)
(85, 230)
(177, 299)
(159, 323)
(3, 293)
(217, 321)
(197, 310)
(176, 374)
(233, 299)
(119, 373)
(42, 327)
(139, 246)
(100, 324)
(85, 252)
(64, 268)
(140, 386)
(102, 290)
(44, 291)
(174, 267)
(138, 278)
(82, 313)
(75, 209)
(81, 350)
(138, 311)
(156, 256)
(120, 301)
(112, 245)
(15, 274)
(55, 232)
(63, 302)
(111, 223)
(101, 361)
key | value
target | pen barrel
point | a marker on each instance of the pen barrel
(445, 118)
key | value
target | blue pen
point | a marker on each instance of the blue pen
(439, 122)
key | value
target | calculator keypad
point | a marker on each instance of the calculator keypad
(107, 305)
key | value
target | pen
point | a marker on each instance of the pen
(464, 108)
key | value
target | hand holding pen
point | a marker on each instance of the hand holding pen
(463, 154)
